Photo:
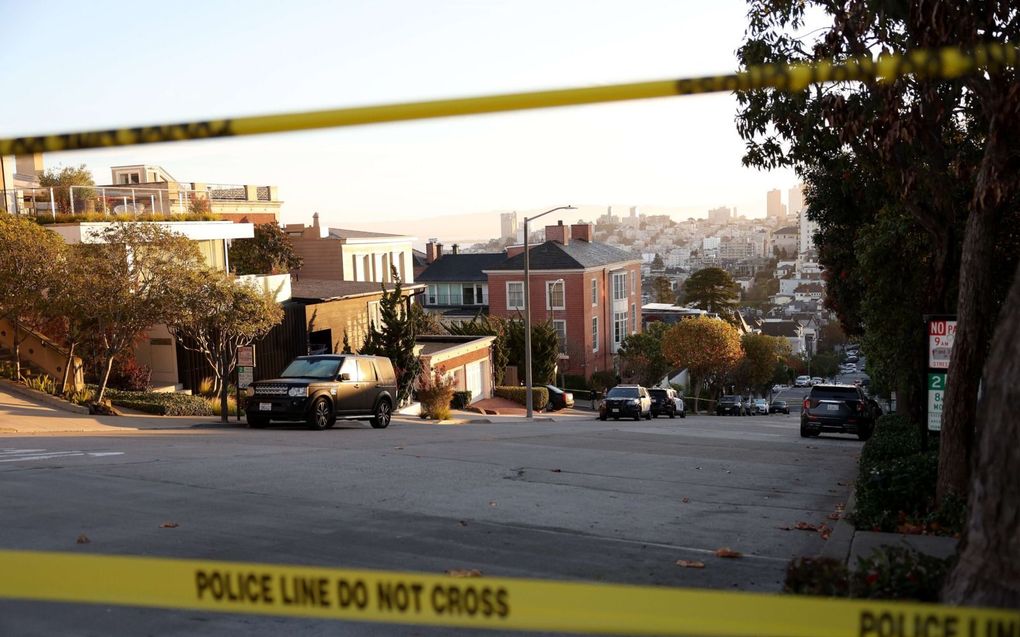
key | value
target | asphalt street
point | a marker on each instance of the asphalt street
(576, 499)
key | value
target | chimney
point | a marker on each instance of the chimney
(557, 233)
(315, 220)
(581, 232)
(431, 252)
(455, 249)
(513, 251)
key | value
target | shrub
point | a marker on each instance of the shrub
(99, 216)
(896, 572)
(128, 375)
(461, 399)
(435, 391)
(162, 404)
(540, 395)
(894, 437)
(206, 387)
(823, 576)
(42, 383)
(80, 396)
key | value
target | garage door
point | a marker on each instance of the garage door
(474, 380)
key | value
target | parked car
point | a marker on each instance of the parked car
(840, 408)
(802, 381)
(761, 406)
(626, 400)
(558, 398)
(729, 405)
(852, 358)
(681, 406)
(779, 407)
(663, 402)
(817, 380)
(319, 389)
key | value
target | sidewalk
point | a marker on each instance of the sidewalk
(20, 415)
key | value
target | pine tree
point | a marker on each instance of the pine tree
(395, 337)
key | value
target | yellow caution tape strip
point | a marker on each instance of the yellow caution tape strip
(476, 602)
(947, 63)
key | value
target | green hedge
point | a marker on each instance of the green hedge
(461, 399)
(889, 572)
(162, 404)
(539, 395)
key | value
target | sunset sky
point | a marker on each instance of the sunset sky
(72, 65)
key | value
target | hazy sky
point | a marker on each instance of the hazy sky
(84, 65)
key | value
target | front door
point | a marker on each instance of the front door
(347, 392)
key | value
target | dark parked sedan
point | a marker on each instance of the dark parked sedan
(559, 399)
(779, 407)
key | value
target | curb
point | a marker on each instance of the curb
(838, 546)
(51, 401)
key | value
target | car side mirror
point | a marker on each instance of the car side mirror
(344, 376)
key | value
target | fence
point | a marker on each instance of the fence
(103, 200)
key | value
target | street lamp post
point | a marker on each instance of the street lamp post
(529, 402)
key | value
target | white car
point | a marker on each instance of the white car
(802, 381)
(760, 406)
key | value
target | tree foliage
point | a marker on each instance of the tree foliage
(216, 315)
(545, 350)
(662, 290)
(761, 353)
(270, 251)
(395, 337)
(708, 348)
(61, 179)
(485, 325)
(641, 356)
(713, 290)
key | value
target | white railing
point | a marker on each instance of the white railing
(104, 200)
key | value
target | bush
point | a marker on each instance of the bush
(894, 437)
(896, 572)
(435, 392)
(42, 383)
(128, 375)
(823, 576)
(461, 399)
(160, 403)
(540, 395)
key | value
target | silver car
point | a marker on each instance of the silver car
(761, 406)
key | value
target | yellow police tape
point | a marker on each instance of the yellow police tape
(477, 602)
(946, 63)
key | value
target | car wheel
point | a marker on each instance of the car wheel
(683, 414)
(637, 416)
(257, 422)
(804, 433)
(648, 416)
(321, 415)
(603, 417)
(672, 414)
(382, 415)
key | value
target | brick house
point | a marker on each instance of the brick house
(591, 292)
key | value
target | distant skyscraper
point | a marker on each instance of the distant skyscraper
(720, 215)
(508, 225)
(807, 231)
(774, 204)
(796, 198)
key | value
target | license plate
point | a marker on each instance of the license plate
(616, 411)
(832, 407)
(265, 406)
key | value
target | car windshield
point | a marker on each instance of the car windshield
(760, 401)
(729, 399)
(319, 368)
(781, 403)
(623, 392)
(659, 393)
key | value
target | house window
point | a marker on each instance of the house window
(633, 282)
(374, 316)
(134, 178)
(594, 333)
(633, 318)
(561, 334)
(515, 295)
(469, 294)
(594, 292)
(619, 286)
(619, 326)
(554, 294)
(432, 294)
(482, 294)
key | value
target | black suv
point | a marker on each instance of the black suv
(663, 402)
(730, 405)
(626, 400)
(318, 389)
(840, 408)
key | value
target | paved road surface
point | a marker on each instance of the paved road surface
(574, 500)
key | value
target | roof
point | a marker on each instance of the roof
(788, 230)
(344, 233)
(576, 255)
(322, 290)
(809, 287)
(461, 267)
(780, 328)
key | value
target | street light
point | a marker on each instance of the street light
(529, 402)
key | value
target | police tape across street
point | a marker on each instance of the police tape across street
(945, 63)
(472, 602)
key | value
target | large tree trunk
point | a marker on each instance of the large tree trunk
(987, 572)
(223, 379)
(974, 320)
(107, 366)
(68, 366)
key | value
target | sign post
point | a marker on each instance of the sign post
(941, 334)
(245, 372)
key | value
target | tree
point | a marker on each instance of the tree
(217, 315)
(395, 337)
(139, 279)
(935, 151)
(28, 253)
(662, 290)
(270, 251)
(485, 325)
(713, 290)
(641, 356)
(425, 322)
(761, 353)
(545, 350)
(62, 179)
(69, 299)
(658, 263)
(707, 347)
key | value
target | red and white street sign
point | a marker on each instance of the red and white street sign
(941, 333)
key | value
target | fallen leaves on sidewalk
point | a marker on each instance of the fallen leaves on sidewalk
(825, 531)
(805, 526)
(464, 572)
(169, 525)
(727, 552)
(462, 523)
(685, 500)
(492, 503)
(833, 516)
(82, 539)
(690, 564)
